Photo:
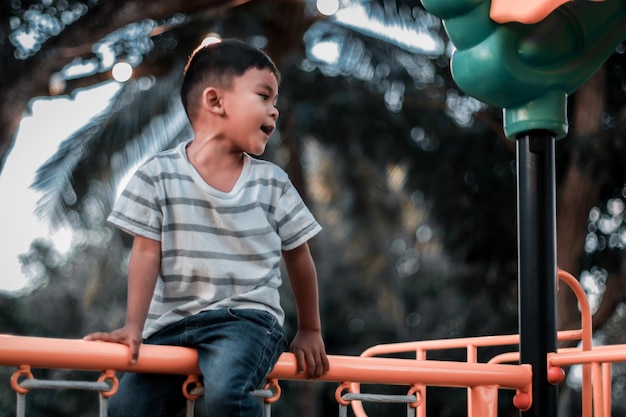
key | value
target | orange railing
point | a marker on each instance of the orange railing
(595, 361)
(33, 352)
(482, 380)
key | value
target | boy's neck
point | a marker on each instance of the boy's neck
(219, 166)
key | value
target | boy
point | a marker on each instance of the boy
(210, 224)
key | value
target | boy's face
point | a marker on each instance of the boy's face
(249, 110)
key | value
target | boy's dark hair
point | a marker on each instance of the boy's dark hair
(217, 64)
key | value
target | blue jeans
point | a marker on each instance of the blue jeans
(236, 351)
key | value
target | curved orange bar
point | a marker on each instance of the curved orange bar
(583, 305)
(587, 331)
(82, 355)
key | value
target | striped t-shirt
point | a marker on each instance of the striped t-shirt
(218, 249)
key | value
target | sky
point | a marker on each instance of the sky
(48, 122)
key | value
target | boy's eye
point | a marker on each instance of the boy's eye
(264, 96)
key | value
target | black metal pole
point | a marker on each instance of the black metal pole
(536, 224)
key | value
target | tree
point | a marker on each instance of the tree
(59, 33)
(582, 187)
(412, 179)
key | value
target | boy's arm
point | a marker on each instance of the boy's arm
(308, 344)
(143, 270)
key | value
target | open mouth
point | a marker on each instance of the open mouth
(267, 129)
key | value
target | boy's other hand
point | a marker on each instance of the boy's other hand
(127, 336)
(308, 346)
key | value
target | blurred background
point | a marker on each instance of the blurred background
(412, 180)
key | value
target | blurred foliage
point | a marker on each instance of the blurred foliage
(411, 180)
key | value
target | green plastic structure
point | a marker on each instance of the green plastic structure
(528, 70)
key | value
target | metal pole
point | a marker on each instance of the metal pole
(536, 224)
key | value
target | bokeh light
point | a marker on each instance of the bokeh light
(122, 71)
(328, 7)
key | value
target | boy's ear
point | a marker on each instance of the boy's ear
(212, 100)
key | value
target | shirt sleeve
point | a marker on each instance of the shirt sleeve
(137, 210)
(296, 223)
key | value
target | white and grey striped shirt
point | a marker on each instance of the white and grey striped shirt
(219, 250)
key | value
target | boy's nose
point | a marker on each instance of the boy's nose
(274, 113)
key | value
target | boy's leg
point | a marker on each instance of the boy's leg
(141, 395)
(154, 395)
(236, 351)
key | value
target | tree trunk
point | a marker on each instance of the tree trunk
(578, 193)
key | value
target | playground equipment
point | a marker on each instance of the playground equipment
(528, 70)
(525, 57)
(482, 380)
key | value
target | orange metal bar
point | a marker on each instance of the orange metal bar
(426, 345)
(598, 390)
(420, 355)
(586, 328)
(484, 401)
(81, 355)
(567, 357)
(508, 357)
(599, 358)
(459, 343)
(39, 352)
(408, 372)
(474, 398)
(423, 346)
(472, 343)
(606, 379)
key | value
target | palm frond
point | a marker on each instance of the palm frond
(406, 26)
(145, 117)
(378, 42)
